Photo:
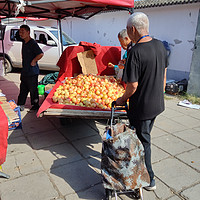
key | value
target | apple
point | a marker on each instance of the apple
(55, 99)
(89, 90)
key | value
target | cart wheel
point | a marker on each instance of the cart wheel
(134, 194)
(138, 193)
(108, 194)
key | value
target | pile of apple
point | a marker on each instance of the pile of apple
(89, 91)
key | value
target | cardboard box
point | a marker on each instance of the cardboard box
(49, 86)
(2, 96)
(87, 62)
(11, 114)
(3, 99)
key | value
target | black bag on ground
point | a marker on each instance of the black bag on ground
(182, 85)
(172, 88)
(176, 87)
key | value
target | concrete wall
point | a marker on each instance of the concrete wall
(175, 24)
(194, 83)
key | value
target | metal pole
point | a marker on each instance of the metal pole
(4, 59)
(2, 38)
(60, 42)
(43, 1)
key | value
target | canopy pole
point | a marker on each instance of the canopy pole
(4, 58)
(2, 32)
(60, 42)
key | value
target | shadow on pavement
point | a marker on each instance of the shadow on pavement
(81, 176)
(70, 153)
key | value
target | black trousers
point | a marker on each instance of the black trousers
(143, 130)
(28, 84)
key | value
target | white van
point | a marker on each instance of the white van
(47, 38)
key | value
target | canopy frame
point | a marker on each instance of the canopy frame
(71, 8)
(47, 8)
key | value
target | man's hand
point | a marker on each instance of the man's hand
(121, 64)
(38, 57)
(33, 63)
(120, 102)
(110, 65)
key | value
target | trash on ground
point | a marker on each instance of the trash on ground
(188, 104)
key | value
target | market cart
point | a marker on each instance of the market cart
(69, 66)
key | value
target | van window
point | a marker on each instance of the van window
(65, 38)
(42, 37)
(14, 35)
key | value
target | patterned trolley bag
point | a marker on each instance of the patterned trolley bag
(123, 165)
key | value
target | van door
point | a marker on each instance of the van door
(13, 47)
(50, 49)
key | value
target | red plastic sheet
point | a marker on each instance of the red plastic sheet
(3, 136)
(69, 65)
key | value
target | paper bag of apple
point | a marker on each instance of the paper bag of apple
(89, 91)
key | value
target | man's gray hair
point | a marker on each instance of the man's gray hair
(123, 34)
(140, 21)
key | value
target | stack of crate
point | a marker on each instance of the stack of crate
(12, 112)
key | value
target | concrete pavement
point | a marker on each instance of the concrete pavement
(48, 161)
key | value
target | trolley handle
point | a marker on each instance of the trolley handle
(123, 107)
(114, 108)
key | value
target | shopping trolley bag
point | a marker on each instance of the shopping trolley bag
(123, 166)
(122, 159)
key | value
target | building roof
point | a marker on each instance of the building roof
(159, 3)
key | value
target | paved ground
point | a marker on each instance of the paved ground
(48, 161)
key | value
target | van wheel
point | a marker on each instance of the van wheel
(8, 65)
